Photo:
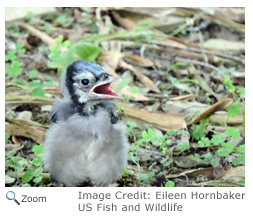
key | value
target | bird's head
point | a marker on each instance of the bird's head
(84, 82)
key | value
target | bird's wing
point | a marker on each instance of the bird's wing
(62, 110)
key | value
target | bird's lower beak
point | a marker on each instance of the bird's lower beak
(103, 91)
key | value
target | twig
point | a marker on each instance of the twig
(195, 62)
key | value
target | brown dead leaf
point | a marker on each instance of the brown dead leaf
(25, 122)
(43, 36)
(145, 80)
(234, 174)
(11, 147)
(185, 136)
(221, 105)
(126, 23)
(183, 97)
(139, 61)
(163, 121)
(169, 43)
(193, 174)
(221, 118)
(9, 180)
(220, 167)
(225, 45)
(34, 133)
(103, 28)
(15, 140)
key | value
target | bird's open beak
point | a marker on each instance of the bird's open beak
(103, 91)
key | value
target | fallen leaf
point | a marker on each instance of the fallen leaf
(145, 80)
(9, 180)
(225, 45)
(163, 121)
(221, 105)
(139, 61)
(34, 133)
(234, 174)
(126, 23)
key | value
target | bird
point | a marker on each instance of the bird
(85, 141)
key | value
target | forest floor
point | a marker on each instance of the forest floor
(183, 84)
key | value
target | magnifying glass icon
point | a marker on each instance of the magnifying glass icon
(11, 196)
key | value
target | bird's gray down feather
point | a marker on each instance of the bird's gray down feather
(80, 147)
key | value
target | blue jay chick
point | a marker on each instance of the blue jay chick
(85, 140)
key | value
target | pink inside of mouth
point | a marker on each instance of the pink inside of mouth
(104, 89)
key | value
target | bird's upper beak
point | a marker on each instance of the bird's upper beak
(103, 91)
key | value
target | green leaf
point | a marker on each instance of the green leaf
(9, 163)
(36, 161)
(38, 150)
(37, 179)
(33, 74)
(236, 162)
(87, 9)
(19, 167)
(241, 149)
(11, 55)
(122, 84)
(228, 146)
(19, 81)
(144, 177)
(78, 51)
(59, 40)
(171, 133)
(17, 64)
(18, 159)
(83, 51)
(214, 161)
(27, 177)
(204, 142)
(233, 110)
(15, 71)
(228, 84)
(148, 135)
(20, 48)
(242, 181)
(30, 15)
(183, 146)
(7, 136)
(198, 131)
(7, 68)
(150, 175)
(132, 124)
(232, 132)
(218, 139)
(66, 44)
(208, 156)
(49, 83)
(195, 156)
(222, 152)
(241, 91)
(38, 171)
(241, 158)
(134, 90)
(9, 154)
(34, 83)
(138, 29)
(169, 184)
(39, 92)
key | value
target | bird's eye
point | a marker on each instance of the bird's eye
(85, 82)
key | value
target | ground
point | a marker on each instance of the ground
(183, 83)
